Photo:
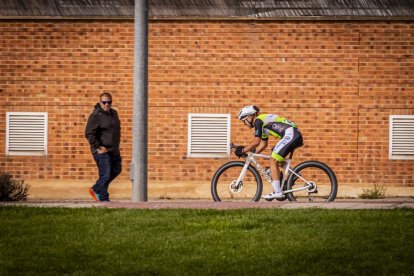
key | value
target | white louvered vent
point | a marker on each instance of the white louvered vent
(208, 135)
(26, 133)
(401, 137)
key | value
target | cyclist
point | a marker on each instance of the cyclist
(277, 126)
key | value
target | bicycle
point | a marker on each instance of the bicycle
(241, 180)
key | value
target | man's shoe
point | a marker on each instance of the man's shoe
(94, 195)
(272, 196)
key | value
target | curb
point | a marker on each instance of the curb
(387, 203)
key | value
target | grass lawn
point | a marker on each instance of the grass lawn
(55, 241)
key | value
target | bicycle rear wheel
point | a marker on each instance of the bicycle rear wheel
(324, 184)
(225, 188)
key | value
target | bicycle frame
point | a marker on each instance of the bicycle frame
(287, 170)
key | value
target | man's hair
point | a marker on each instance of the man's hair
(105, 94)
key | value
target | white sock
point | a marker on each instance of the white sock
(276, 186)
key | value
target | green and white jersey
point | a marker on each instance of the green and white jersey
(271, 124)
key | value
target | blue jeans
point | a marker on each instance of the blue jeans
(109, 166)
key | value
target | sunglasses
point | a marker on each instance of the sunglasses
(106, 102)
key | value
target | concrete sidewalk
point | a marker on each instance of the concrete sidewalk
(387, 203)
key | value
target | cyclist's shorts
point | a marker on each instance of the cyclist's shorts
(292, 139)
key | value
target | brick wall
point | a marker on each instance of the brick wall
(339, 81)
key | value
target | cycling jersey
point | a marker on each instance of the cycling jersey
(271, 124)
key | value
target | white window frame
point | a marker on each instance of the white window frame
(216, 142)
(38, 133)
(401, 133)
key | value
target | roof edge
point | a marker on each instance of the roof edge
(206, 18)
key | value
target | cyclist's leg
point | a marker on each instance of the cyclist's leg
(280, 151)
(288, 142)
(277, 189)
(274, 168)
(274, 163)
(291, 140)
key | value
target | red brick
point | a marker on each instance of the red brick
(338, 80)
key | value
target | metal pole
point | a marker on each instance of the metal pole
(139, 163)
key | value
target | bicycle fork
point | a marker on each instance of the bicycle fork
(243, 172)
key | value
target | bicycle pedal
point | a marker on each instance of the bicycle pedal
(282, 199)
(268, 199)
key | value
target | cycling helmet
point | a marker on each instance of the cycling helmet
(248, 110)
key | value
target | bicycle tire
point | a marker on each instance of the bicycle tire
(228, 173)
(318, 172)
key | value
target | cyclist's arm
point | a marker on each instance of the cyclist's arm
(262, 146)
(253, 144)
(258, 130)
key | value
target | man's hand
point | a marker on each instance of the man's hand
(102, 150)
(239, 151)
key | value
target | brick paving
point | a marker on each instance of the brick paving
(387, 203)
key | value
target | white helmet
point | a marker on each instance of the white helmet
(248, 110)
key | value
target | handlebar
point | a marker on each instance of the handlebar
(233, 146)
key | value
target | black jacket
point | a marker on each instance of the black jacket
(103, 129)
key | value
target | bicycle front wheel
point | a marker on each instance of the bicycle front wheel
(319, 179)
(224, 186)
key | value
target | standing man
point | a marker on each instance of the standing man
(103, 132)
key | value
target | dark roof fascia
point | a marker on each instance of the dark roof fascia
(199, 18)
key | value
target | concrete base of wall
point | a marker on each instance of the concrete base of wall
(67, 190)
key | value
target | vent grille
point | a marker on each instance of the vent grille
(26, 133)
(402, 137)
(208, 135)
